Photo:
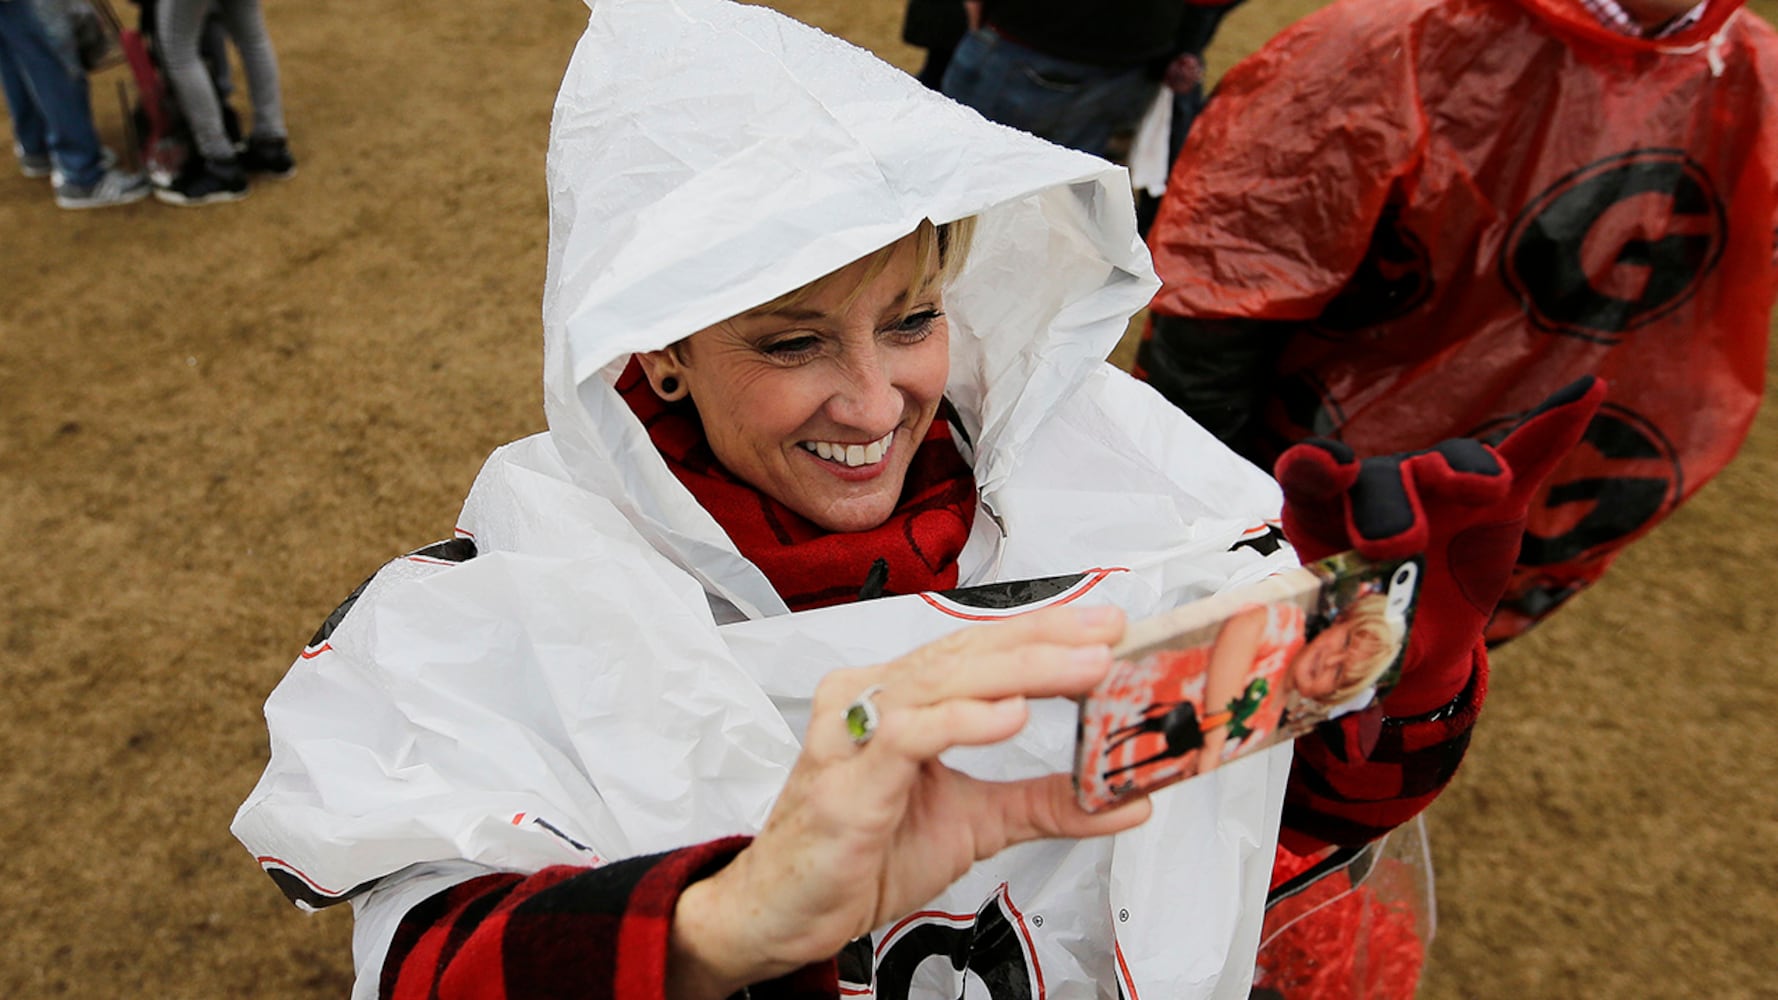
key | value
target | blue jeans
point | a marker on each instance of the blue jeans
(48, 102)
(1078, 105)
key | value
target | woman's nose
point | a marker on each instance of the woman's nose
(868, 398)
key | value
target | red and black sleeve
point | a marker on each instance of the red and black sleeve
(564, 932)
(1358, 777)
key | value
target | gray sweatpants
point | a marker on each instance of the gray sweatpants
(179, 24)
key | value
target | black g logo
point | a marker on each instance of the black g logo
(1623, 476)
(985, 953)
(1615, 245)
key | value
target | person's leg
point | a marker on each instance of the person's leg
(246, 25)
(180, 22)
(212, 174)
(60, 98)
(213, 49)
(30, 133)
(1073, 104)
(1011, 84)
(964, 74)
(58, 27)
(266, 152)
(1107, 102)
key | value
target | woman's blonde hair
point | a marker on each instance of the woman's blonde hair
(947, 243)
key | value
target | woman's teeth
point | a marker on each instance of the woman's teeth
(852, 455)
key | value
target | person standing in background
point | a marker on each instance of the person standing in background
(214, 173)
(52, 119)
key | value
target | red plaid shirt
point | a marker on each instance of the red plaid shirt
(1338, 794)
(564, 933)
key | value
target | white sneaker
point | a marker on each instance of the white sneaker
(114, 187)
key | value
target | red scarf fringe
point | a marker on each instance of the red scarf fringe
(1348, 943)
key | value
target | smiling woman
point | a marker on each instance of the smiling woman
(678, 711)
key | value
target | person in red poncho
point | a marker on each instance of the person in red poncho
(1407, 220)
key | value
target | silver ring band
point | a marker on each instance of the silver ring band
(861, 717)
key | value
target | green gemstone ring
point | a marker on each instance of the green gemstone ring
(862, 716)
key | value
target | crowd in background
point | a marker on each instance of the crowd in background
(188, 145)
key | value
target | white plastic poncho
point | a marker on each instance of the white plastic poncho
(610, 677)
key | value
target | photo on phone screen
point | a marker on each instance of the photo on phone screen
(1204, 684)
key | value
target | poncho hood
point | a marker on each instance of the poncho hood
(707, 156)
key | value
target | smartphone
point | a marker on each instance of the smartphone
(1209, 682)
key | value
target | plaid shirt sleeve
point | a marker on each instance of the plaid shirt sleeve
(564, 932)
(1340, 795)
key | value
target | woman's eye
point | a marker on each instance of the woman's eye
(792, 348)
(918, 325)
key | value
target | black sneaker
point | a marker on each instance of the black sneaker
(268, 155)
(204, 181)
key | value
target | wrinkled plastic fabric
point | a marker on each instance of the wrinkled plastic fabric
(1465, 204)
(1360, 931)
(608, 676)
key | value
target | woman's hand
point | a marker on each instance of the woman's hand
(862, 834)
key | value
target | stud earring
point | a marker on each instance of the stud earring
(669, 389)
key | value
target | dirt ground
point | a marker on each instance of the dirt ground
(214, 422)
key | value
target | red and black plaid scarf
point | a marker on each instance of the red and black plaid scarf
(915, 550)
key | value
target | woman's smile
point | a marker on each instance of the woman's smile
(861, 457)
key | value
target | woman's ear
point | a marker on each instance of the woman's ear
(663, 371)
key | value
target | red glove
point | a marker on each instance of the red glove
(1462, 504)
